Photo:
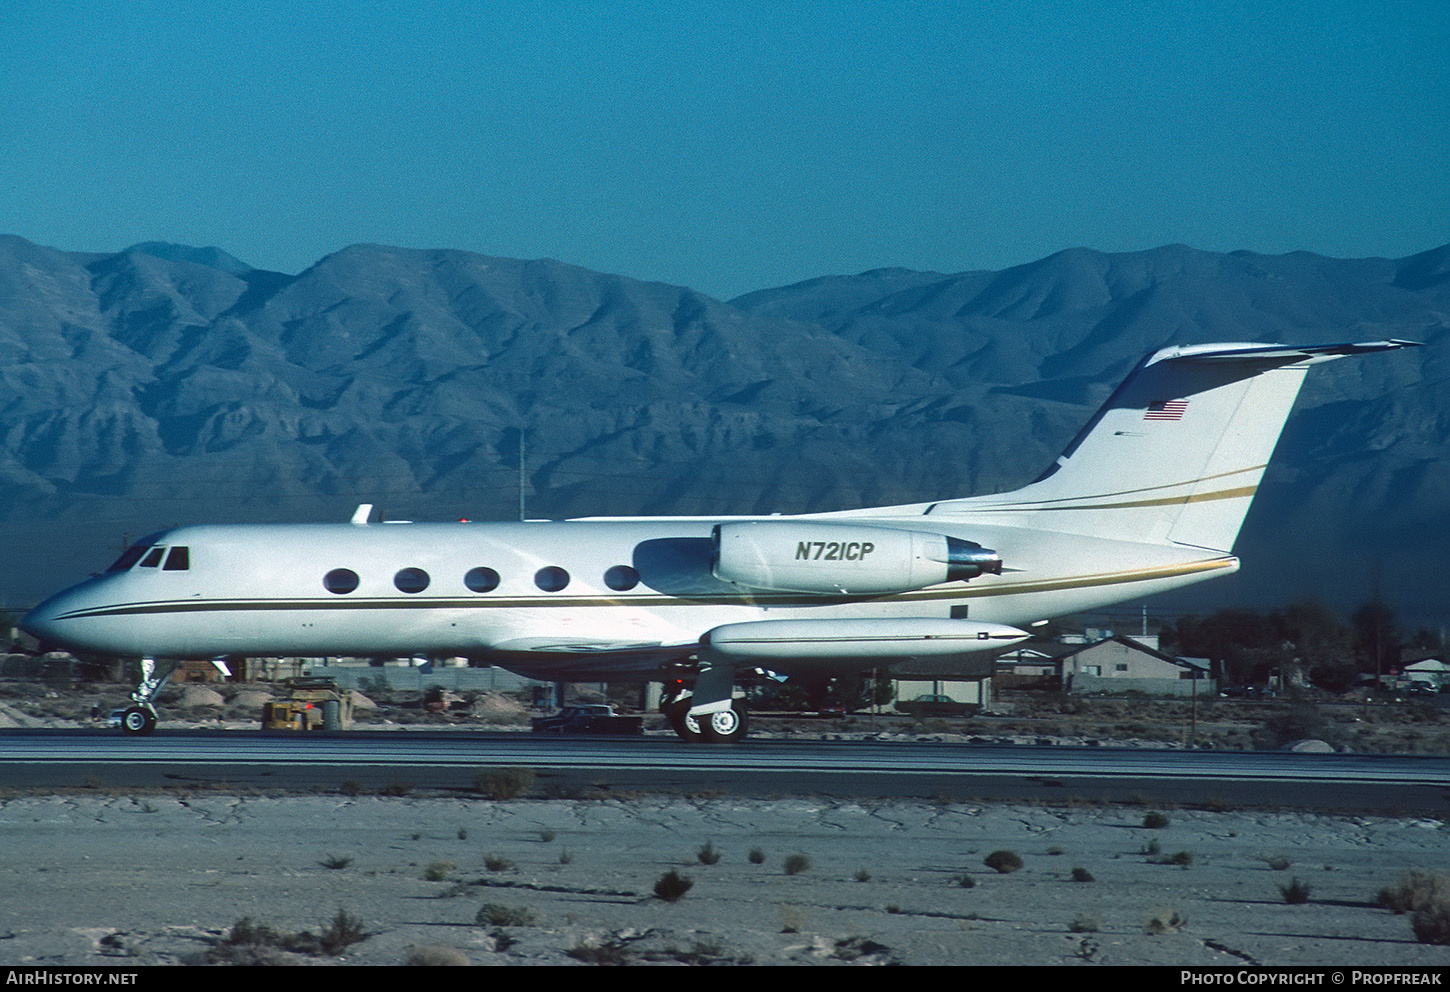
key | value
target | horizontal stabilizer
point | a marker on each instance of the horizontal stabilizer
(1276, 353)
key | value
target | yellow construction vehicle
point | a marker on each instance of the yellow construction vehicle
(311, 703)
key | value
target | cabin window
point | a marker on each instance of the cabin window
(621, 578)
(411, 580)
(481, 579)
(153, 558)
(551, 578)
(340, 581)
(179, 560)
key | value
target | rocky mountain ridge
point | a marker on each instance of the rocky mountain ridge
(167, 384)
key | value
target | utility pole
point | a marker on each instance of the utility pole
(1193, 711)
(522, 475)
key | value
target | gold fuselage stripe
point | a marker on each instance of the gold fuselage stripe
(1243, 492)
(1145, 489)
(1000, 587)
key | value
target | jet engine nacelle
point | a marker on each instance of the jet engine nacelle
(843, 559)
(771, 642)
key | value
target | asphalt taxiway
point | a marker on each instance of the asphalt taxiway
(452, 762)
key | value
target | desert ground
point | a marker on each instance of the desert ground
(372, 880)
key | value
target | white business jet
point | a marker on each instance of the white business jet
(1149, 497)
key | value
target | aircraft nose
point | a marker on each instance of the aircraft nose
(51, 622)
(39, 623)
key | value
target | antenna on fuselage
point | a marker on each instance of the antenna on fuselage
(522, 476)
(361, 514)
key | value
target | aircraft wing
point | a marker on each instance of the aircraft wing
(579, 659)
(576, 645)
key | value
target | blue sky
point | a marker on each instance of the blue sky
(727, 146)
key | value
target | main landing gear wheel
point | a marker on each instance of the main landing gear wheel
(687, 727)
(725, 727)
(138, 720)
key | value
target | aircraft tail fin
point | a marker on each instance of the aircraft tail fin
(1177, 452)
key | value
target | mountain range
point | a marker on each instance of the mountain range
(168, 384)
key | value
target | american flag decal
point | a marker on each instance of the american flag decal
(1166, 410)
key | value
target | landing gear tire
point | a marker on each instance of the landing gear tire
(725, 727)
(138, 720)
(687, 727)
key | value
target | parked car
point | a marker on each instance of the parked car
(591, 718)
(932, 704)
(1248, 692)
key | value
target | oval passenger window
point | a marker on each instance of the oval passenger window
(340, 581)
(411, 580)
(481, 579)
(551, 578)
(621, 578)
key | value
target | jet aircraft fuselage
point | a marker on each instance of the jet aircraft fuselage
(548, 597)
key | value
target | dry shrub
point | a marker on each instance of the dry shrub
(1166, 921)
(1413, 890)
(342, 932)
(493, 914)
(1003, 861)
(1296, 893)
(1431, 921)
(1426, 895)
(672, 886)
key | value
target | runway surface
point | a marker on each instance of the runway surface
(454, 762)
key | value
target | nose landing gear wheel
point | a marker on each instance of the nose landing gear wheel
(138, 720)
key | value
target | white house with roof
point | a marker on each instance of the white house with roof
(1429, 670)
(1126, 664)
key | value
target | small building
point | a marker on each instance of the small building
(1034, 666)
(966, 680)
(1029, 661)
(1432, 671)
(1124, 664)
(975, 693)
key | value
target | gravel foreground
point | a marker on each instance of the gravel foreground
(164, 879)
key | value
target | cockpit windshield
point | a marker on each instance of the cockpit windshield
(133, 554)
(128, 558)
